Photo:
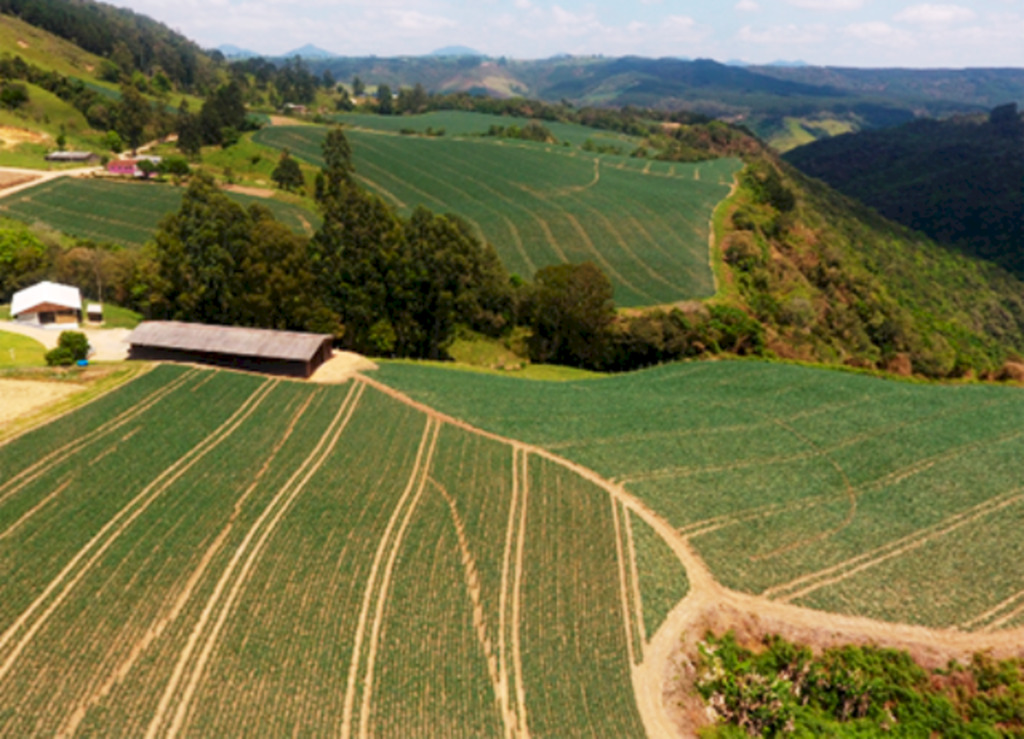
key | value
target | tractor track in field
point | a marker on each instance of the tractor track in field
(375, 589)
(638, 603)
(708, 604)
(77, 715)
(805, 584)
(224, 596)
(849, 492)
(432, 432)
(68, 450)
(508, 706)
(625, 588)
(516, 605)
(480, 625)
(97, 546)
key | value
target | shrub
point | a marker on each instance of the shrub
(76, 344)
(60, 357)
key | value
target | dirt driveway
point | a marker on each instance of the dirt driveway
(108, 343)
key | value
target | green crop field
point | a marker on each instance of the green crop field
(205, 552)
(122, 212)
(461, 123)
(644, 223)
(832, 490)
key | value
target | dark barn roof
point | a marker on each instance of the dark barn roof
(253, 347)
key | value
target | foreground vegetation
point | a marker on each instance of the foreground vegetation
(782, 689)
(833, 490)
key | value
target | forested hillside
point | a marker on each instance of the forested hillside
(959, 180)
(833, 281)
(128, 40)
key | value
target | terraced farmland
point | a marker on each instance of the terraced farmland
(121, 212)
(203, 552)
(845, 493)
(462, 123)
(645, 223)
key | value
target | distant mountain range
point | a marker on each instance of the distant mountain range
(456, 51)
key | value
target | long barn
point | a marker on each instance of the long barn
(291, 353)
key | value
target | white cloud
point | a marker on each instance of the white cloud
(747, 6)
(880, 34)
(784, 36)
(928, 14)
(828, 4)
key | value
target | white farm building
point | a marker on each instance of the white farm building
(47, 303)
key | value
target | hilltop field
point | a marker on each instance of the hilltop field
(645, 223)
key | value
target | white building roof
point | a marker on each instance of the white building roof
(46, 292)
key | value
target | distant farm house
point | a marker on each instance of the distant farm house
(294, 108)
(290, 353)
(47, 304)
(82, 157)
(130, 167)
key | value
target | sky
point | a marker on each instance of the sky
(861, 33)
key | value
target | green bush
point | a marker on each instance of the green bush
(60, 357)
(854, 691)
(76, 344)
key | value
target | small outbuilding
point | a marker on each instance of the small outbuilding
(79, 157)
(291, 353)
(47, 304)
(94, 312)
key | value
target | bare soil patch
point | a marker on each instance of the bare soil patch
(12, 136)
(13, 179)
(18, 397)
(256, 192)
(341, 367)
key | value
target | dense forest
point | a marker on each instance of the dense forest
(961, 180)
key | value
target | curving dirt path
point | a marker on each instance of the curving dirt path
(660, 694)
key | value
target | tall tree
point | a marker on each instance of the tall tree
(197, 251)
(571, 313)
(287, 174)
(385, 100)
(133, 114)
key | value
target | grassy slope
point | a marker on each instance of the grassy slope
(283, 578)
(43, 49)
(122, 212)
(645, 223)
(19, 351)
(829, 466)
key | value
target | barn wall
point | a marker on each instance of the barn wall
(250, 364)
